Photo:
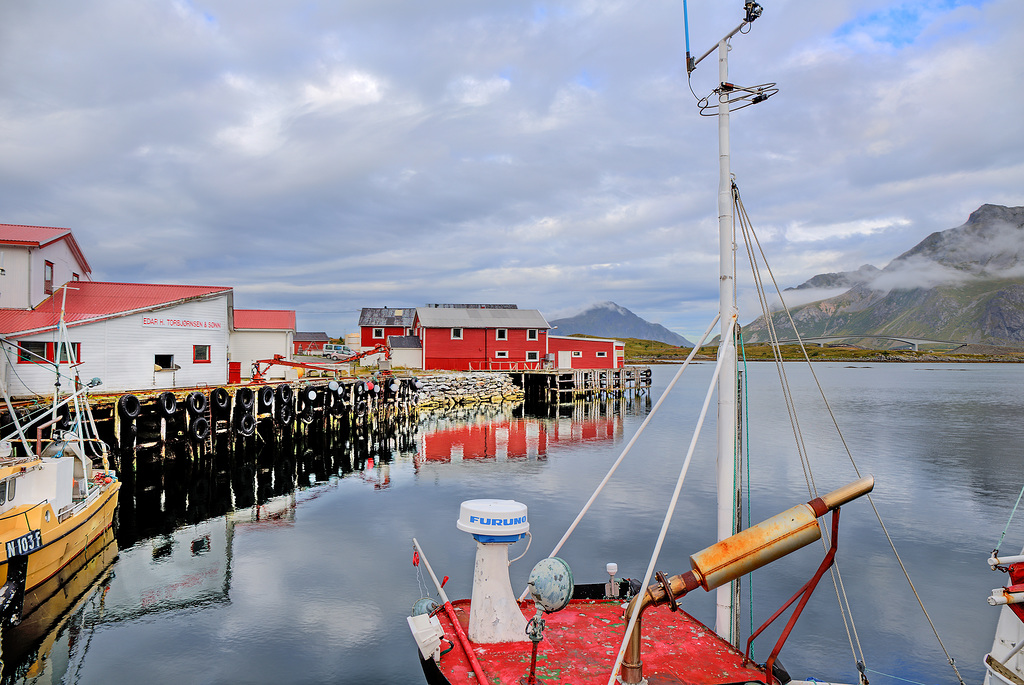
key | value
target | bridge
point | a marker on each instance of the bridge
(906, 340)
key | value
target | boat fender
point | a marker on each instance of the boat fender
(338, 405)
(246, 424)
(196, 403)
(220, 398)
(199, 429)
(129, 406)
(284, 414)
(266, 398)
(168, 404)
(245, 398)
(284, 393)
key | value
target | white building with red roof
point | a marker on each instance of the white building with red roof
(132, 336)
(36, 259)
(260, 334)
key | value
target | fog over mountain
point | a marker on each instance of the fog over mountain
(963, 284)
(609, 320)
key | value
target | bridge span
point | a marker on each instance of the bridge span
(914, 343)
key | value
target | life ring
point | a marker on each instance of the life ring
(220, 399)
(245, 424)
(129, 406)
(167, 403)
(244, 399)
(199, 428)
(196, 403)
(284, 393)
(265, 397)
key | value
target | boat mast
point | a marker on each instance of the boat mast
(729, 458)
(727, 608)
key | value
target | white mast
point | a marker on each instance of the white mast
(726, 615)
(729, 96)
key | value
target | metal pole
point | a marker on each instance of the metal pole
(725, 616)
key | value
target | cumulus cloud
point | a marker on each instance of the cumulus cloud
(329, 157)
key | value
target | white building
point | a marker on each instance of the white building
(259, 334)
(35, 259)
(131, 336)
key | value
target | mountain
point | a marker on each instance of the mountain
(609, 320)
(962, 284)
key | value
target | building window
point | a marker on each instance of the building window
(456, 334)
(378, 333)
(531, 333)
(501, 334)
(409, 331)
(48, 278)
(164, 361)
(532, 356)
(43, 352)
(32, 352)
(602, 354)
(577, 353)
(201, 354)
(76, 349)
(501, 354)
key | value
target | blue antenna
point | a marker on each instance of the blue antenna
(686, 32)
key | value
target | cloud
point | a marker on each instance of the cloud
(328, 157)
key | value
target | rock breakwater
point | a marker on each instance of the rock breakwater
(455, 389)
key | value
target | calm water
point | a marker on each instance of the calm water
(313, 585)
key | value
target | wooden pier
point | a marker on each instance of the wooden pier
(564, 386)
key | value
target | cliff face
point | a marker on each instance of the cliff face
(609, 320)
(964, 284)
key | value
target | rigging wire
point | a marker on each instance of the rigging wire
(995, 552)
(629, 445)
(634, 617)
(770, 322)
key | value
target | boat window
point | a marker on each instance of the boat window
(11, 488)
(3, 492)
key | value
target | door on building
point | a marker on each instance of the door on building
(565, 359)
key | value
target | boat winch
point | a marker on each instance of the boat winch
(495, 524)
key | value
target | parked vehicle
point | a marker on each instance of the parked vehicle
(337, 352)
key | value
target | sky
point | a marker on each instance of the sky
(324, 156)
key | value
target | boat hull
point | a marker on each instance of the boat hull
(63, 541)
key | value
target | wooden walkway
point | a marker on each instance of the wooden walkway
(563, 386)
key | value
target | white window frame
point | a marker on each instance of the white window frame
(602, 354)
(501, 334)
(501, 354)
(378, 334)
(531, 334)
(456, 334)
(577, 353)
(533, 356)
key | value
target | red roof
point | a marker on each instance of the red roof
(277, 319)
(92, 301)
(41, 236)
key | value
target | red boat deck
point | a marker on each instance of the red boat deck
(581, 641)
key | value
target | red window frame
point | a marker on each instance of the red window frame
(48, 277)
(49, 351)
(195, 355)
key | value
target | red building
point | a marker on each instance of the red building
(377, 323)
(482, 338)
(307, 342)
(586, 353)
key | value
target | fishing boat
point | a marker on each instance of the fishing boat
(58, 494)
(638, 632)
